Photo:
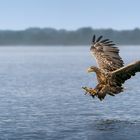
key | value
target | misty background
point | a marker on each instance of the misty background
(48, 22)
(82, 36)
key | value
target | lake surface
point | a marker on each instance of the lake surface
(41, 96)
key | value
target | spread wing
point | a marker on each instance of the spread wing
(125, 73)
(107, 56)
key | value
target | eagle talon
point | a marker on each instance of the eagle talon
(86, 93)
(91, 91)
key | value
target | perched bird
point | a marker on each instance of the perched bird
(111, 72)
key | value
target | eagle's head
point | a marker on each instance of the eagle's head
(92, 69)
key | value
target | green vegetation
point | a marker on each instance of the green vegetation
(82, 36)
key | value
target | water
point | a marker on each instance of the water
(41, 96)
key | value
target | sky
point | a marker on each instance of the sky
(69, 14)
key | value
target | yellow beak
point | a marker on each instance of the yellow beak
(89, 70)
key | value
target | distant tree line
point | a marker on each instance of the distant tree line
(82, 36)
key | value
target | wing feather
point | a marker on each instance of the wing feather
(105, 40)
(125, 73)
(99, 38)
(93, 39)
(107, 56)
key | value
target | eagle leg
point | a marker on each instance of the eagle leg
(91, 91)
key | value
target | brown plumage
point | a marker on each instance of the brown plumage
(111, 72)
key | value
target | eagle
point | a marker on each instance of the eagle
(111, 72)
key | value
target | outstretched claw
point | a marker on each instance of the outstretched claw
(85, 89)
(91, 91)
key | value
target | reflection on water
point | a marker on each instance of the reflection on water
(115, 129)
(114, 125)
(41, 96)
